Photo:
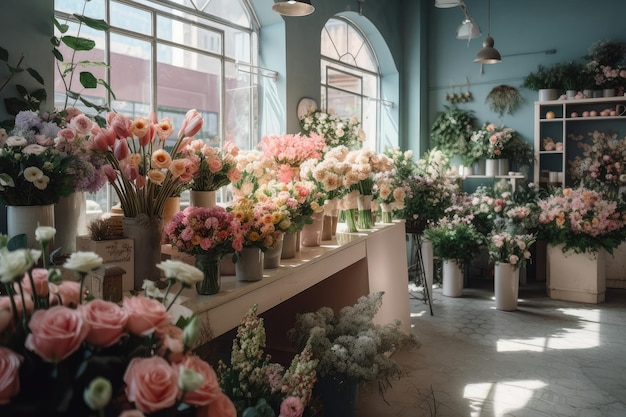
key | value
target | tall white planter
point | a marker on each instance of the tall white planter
(452, 278)
(506, 286)
(26, 219)
(491, 167)
(576, 277)
(70, 220)
(428, 261)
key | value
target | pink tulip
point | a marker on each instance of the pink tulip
(110, 173)
(120, 150)
(191, 124)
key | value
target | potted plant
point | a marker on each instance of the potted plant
(571, 77)
(350, 348)
(451, 130)
(545, 80)
(504, 99)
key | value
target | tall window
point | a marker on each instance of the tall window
(350, 76)
(169, 56)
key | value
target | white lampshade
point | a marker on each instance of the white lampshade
(443, 4)
(468, 30)
(294, 8)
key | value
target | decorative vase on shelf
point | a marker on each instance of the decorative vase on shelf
(272, 256)
(288, 250)
(70, 220)
(506, 286)
(146, 233)
(365, 220)
(452, 278)
(311, 234)
(588, 93)
(608, 92)
(491, 167)
(338, 395)
(202, 198)
(249, 265)
(330, 219)
(503, 166)
(26, 219)
(209, 264)
(479, 167)
(386, 213)
(547, 94)
(598, 93)
(579, 277)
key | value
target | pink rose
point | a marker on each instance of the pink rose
(56, 333)
(66, 293)
(5, 304)
(291, 407)
(107, 322)
(40, 278)
(151, 383)
(9, 374)
(210, 388)
(221, 407)
(172, 346)
(145, 315)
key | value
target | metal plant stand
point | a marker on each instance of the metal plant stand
(417, 273)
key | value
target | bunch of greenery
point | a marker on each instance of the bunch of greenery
(455, 239)
(544, 77)
(504, 99)
(451, 131)
(24, 100)
(606, 52)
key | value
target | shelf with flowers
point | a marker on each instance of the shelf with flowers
(580, 225)
(63, 354)
(335, 130)
(499, 146)
(145, 175)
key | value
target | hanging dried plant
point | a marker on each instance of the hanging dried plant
(504, 99)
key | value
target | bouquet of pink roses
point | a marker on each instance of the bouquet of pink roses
(289, 151)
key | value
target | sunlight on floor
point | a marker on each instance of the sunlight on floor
(586, 336)
(500, 397)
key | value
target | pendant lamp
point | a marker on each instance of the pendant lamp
(444, 4)
(468, 29)
(488, 54)
(294, 7)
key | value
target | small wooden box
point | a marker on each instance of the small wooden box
(113, 252)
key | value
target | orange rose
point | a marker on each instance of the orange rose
(156, 176)
(177, 167)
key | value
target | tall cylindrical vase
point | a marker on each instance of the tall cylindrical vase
(288, 250)
(506, 286)
(272, 256)
(249, 265)
(172, 206)
(209, 264)
(387, 213)
(452, 278)
(503, 166)
(70, 220)
(428, 260)
(146, 233)
(26, 219)
(311, 234)
(202, 198)
(491, 167)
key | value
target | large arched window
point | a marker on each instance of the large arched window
(350, 76)
(169, 56)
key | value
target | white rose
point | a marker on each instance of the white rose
(45, 233)
(83, 262)
(183, 272)
(14, 264)
(16, 141)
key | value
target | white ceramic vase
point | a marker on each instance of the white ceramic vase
(506, 286)
(452, 278)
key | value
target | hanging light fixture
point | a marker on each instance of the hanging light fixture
(444, 4)
(294, 7)
(469, 28)
(488, 54)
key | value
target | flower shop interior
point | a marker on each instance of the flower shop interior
(312, 208)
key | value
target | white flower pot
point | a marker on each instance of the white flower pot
(26, 219)
(428, 260)
(547, 94)
(576, 277)
(506, 286)
(452, 278)
(491, 167)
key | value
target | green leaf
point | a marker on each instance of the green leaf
(104, 83)
(4, 54)
(60, 26)
(15, 70)
(97, 24)
(92, 105)
(88, 80)
(55, 41)
(40, 94)
(85, 63)
(17, 242)
(101, 121)
(35, 75)
(78, 44)
(22, 91)
(57, 54)
(72, 95)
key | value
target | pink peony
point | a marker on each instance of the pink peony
(145, 315)
(151, 383)
(210, 390)
(107, 322)
(9, 374)
(56, 333)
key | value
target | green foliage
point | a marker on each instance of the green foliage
(24, 100)
(452, 129)
(454, 240)
(504, 99)
(543, 77)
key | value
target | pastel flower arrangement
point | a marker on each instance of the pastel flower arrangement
(490, 141)
(510, 248)
(217, 167)
(350, 345)
(260, 387)
(602, 161)
(201, 230)
(292, 200)
(62, 353)
(390, 186)
(256, 169)
(336, 131)
(331, 173)
(139, 168)
(256, 224)
(289, 151)
(364, 164)
(582, 220)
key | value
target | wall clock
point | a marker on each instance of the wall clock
(304, 105)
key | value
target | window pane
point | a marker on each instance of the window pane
(344, 80)
(238, 108)
(93, 8)
(344, 104)
(130, 75)
(131, 18)
(185, 33)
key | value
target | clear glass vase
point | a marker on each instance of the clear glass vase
(209, 264)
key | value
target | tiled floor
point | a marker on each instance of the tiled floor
(548, 358)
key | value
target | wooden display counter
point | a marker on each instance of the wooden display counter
(334, 274)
